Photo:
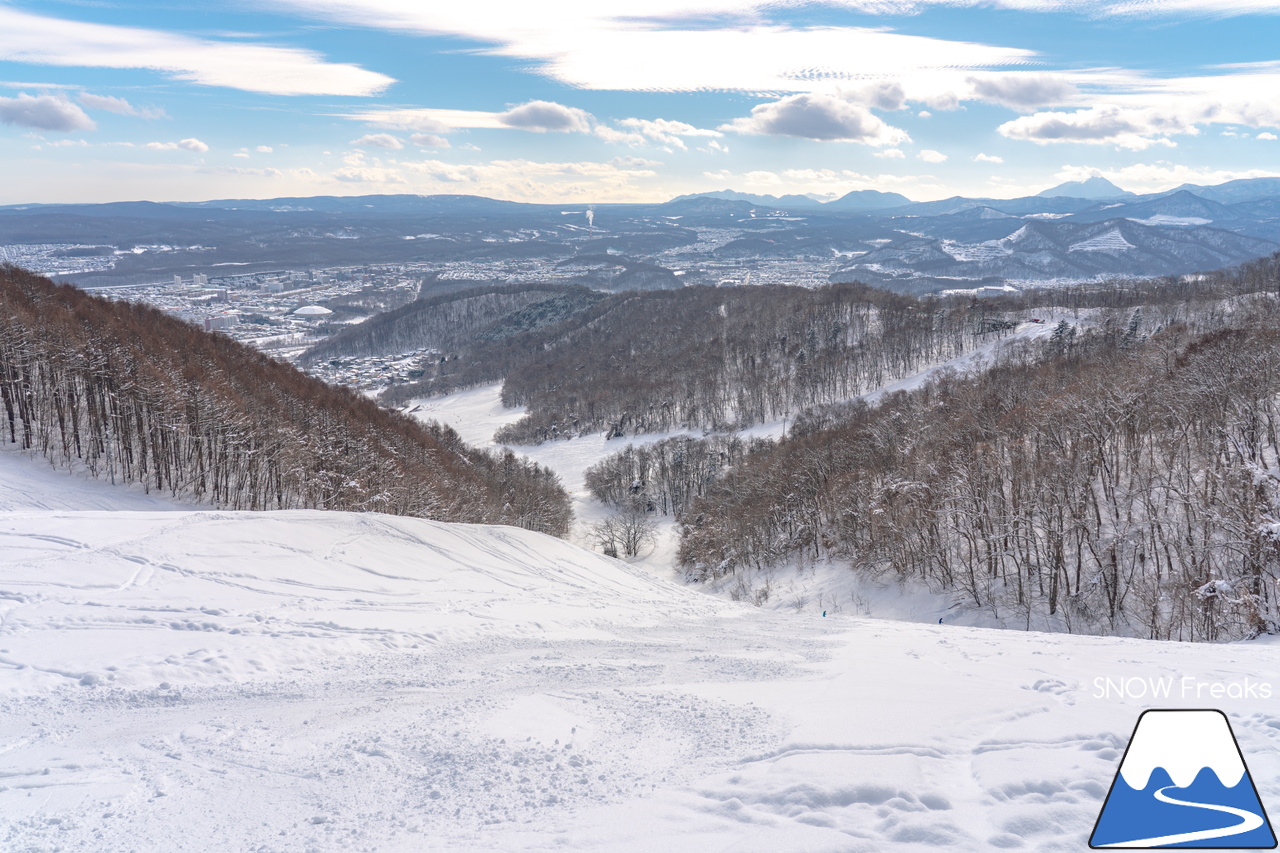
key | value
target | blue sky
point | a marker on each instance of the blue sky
(630, 100)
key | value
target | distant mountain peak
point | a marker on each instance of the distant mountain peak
(856, 201)
(859, 200)
(754, 198)
(1096, 187)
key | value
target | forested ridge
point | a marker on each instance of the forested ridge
(704, 357)
(134, 395)
(452, 321)
(1109, 485)
(697, 357)
(1121, 476)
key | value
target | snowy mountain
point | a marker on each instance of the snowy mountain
(1180, 208)
(867, 200)
(1071, 249)
(784, 201)
(1091, 188)
(1237, 191)
(855, 201)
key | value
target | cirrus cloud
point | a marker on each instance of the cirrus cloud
(613, 46)
(119, 106)
(41, 40)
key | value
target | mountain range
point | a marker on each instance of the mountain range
(1086, 230)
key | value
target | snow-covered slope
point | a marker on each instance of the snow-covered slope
(307, 681)
(131, 599)
(29, 482)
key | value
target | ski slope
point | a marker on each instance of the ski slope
(308, 681)
(477, 413)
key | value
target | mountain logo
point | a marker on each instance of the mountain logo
(1183, 783)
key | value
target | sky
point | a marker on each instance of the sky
(630, 100)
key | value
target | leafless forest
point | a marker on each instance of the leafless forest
(1123, 480)
(136, 396)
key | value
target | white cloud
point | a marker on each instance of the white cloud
(190, 144)
(1023, 90)
(1141, 111)
(535, 116)
(429, 140)
(890, 154)
(819, 117)
(1144, 8)
(666, 45)
(988, 158)
(242, 154)
(378, 140)
(425, 120)
(119, 106)
(714, 146)
(637, 131)
(763, 179)
(1134, 130)
(264, 149)
(1267, 135)
(44, 112)
(924, 114)
(255, 68)
(633, 163)
(547, 116)
(882, 94)
(368, 175)
(526, 180)
(930, 156)
(240, 170)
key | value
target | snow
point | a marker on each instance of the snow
(1166, 220)
(29, 482)
(477, 413)
(989, 250)
(309, 681)
(1108, 241)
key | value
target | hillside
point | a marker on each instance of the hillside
(1120, 481)
(127, 393)
(658, 360)
(325, 681)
